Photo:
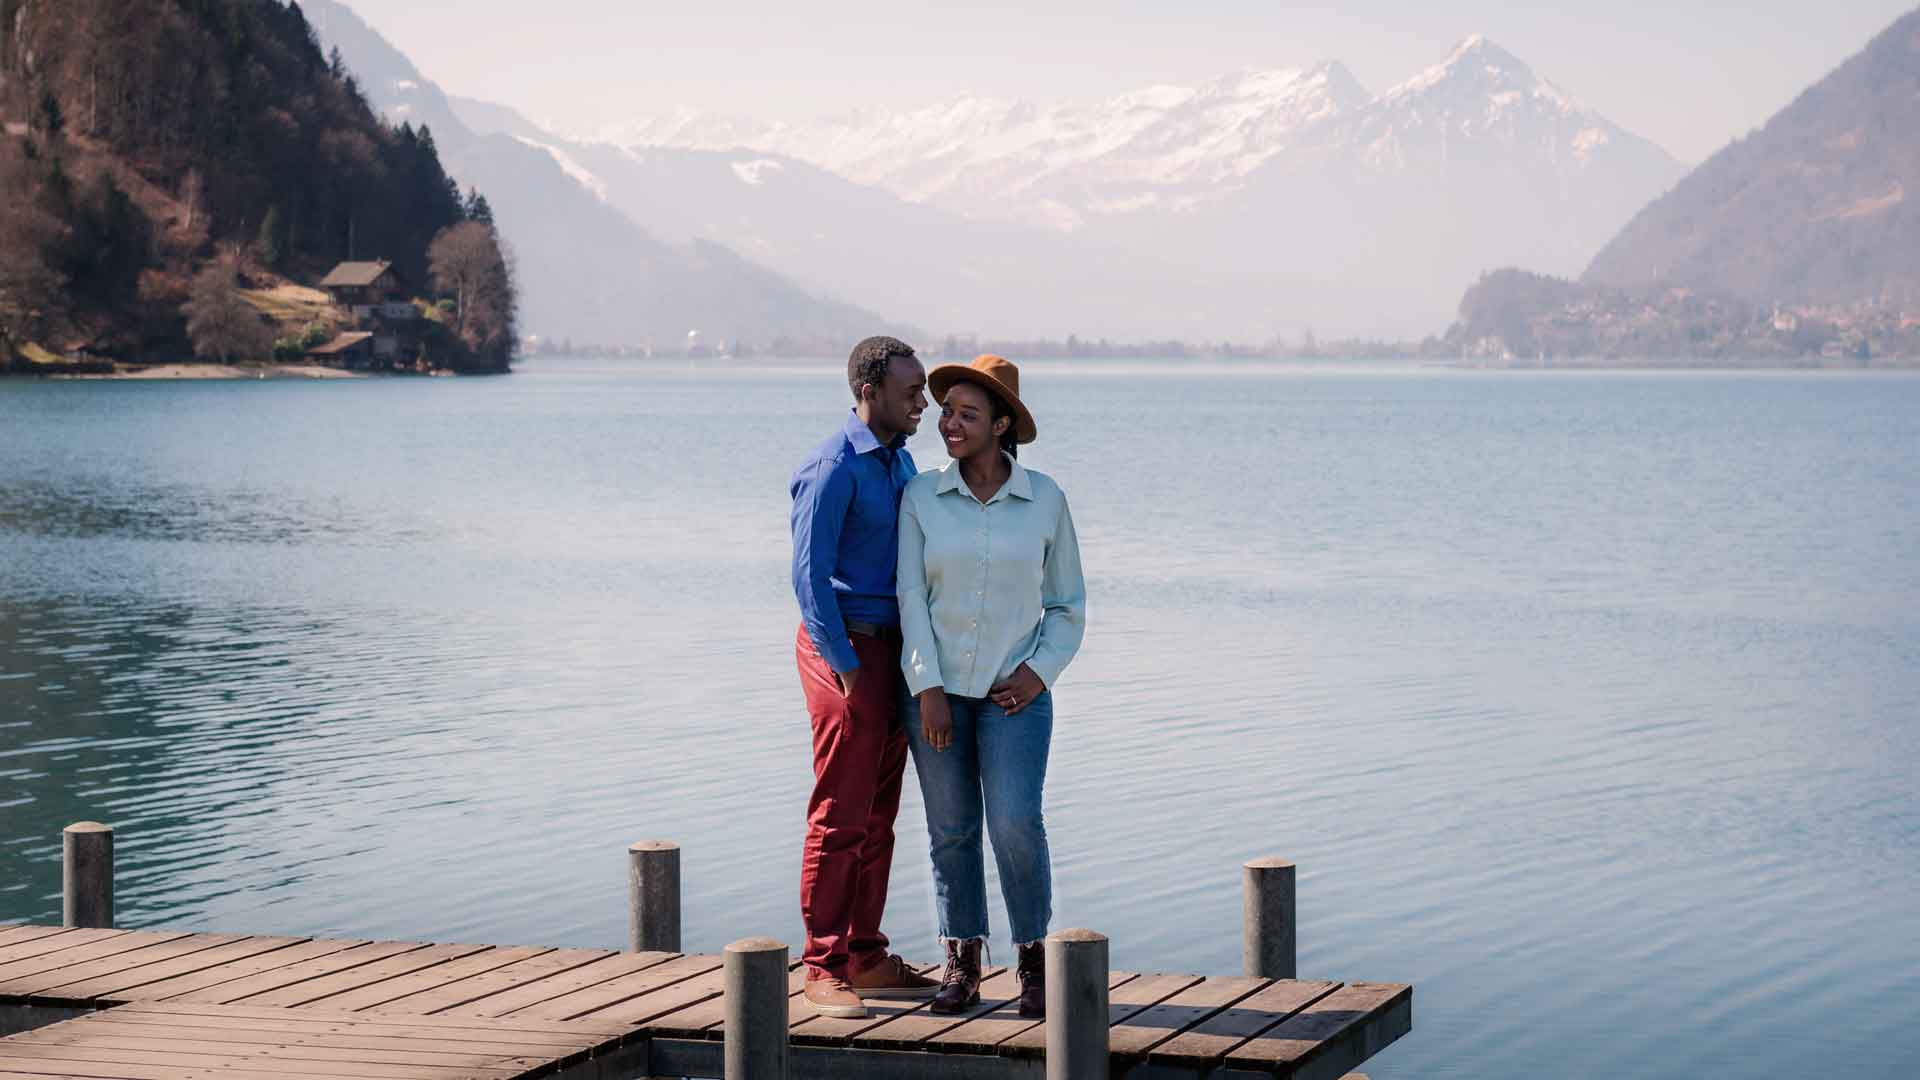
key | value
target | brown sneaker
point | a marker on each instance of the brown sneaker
(960, 982)
(831, 996)
(890, 977)
(1033, 979)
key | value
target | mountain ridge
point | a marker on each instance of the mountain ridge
(1812, 207)
(1154, 146)
(625, 284)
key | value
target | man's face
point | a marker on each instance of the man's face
(901, 397)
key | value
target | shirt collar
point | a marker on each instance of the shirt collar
(861, 436)
(1018, 485)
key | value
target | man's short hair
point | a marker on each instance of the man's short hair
(869, 359)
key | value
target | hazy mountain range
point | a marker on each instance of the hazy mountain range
(587, 271)
(1259, 203)
(1065, 166)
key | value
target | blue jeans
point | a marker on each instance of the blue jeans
(993, 772)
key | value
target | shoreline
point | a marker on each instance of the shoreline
(213, 371)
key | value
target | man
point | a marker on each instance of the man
(846, 506)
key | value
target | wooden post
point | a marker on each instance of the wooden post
(1076, 1005)
(86, 874)
(653, 896)
(1267, 919)
(754, 991)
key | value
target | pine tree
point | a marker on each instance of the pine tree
(477, 208)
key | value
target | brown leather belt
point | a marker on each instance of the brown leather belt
(873, 630)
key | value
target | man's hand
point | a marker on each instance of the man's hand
(1016, 691)
(936, 719)
(848, 680)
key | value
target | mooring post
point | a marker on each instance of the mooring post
(653, 896)
(86, 874)
(1076, 1005)
(1267, 919)
(754, 985)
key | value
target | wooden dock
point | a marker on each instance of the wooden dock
(115, 1004)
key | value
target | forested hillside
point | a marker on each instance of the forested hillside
(147, 139)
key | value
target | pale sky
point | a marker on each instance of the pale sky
(1689, 75)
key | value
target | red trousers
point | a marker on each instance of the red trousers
(859, 757)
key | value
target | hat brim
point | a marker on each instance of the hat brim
(941, 379)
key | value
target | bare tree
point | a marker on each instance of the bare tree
(469, 264)
(222, 325)
(193, 188)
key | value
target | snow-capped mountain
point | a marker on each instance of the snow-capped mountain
(1051, 165)
(1169, 148)
(1483, 103)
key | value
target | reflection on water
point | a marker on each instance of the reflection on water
(1584, 703)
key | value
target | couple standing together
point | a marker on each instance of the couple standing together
(937, 611)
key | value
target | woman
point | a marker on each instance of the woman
(992, 607)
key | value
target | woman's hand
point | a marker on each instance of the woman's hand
(1017, 691)
(936, 720)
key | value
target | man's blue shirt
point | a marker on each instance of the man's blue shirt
(846, 536)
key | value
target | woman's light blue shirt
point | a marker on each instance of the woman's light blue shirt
(986, 587)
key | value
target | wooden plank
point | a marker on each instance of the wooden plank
(343, 1035)
(227, 993)
(318, 990)
(624, 990)
(911, 1030)
(1333, 1034)
(434, 977)
(559, 984)
(4, 1075)
(1134, 996)
(19, 933)
(120, 1070)
(400, 1052)
(118, 943)
(241, 968)
(1204, 1044)
(108, 987)
(42, 944)
(1148, 1028)
(474, 987)
(808, 1028)
(694, 1021)
(664, 1001)
(108, 966)
(184, 1012)
(984, 1033)
(191, 1059)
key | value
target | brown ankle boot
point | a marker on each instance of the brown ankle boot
(960, 983)
(1033, 979)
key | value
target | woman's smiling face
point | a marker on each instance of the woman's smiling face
(967, 425)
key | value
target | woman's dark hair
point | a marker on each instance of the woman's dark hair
(1008, 440)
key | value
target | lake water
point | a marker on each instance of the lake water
(1585, 702)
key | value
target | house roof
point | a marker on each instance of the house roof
(349, 274)
(340, 344)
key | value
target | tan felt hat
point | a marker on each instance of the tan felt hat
(997, 375)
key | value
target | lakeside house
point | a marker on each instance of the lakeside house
(352, 350)
(387, 330)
